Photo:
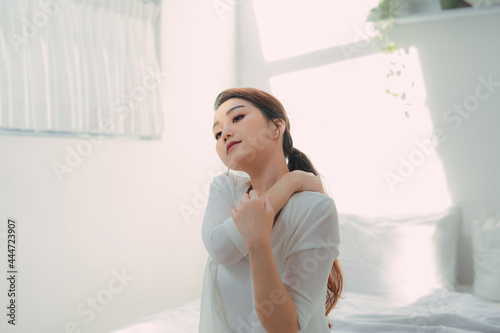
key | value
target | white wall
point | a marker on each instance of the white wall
(343, 120)
(121, 208)
(453, 54)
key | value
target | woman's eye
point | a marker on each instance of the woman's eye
(218, 134)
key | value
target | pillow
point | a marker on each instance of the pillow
(486, 256)
(400, 257)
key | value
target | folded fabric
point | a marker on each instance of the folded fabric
(486, 255)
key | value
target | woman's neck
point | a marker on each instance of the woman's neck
(264, 181)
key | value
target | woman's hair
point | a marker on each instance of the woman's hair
(272, 108)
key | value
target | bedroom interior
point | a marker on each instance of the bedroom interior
(108, 206)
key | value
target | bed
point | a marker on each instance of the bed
(443, 311)
(399, 276)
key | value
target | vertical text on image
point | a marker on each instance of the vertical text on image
(12, 271)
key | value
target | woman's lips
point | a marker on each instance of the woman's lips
(230, 148)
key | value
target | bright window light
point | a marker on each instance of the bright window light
(356, 134)
(292, 27)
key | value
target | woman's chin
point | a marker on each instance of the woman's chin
(240, 161)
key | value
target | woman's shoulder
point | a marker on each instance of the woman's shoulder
(310, 202)
(310, 214)
(308, 198)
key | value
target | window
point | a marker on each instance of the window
(80, 67)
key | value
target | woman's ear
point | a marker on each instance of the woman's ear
(281, 125)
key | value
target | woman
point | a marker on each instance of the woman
(266, 271)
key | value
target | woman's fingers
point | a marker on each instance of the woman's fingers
(248, 196)
(253, 194)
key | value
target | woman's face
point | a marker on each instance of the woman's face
(239, 120)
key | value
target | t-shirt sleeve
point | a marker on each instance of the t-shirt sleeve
(312, 250)
(220, 235)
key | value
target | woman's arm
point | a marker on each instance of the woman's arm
(287, 303)
(282, 190)
(291, 182)
(221, 238)
(275, 308)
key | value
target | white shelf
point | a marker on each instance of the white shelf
(447, 14)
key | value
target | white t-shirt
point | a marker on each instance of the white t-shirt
(305, 241)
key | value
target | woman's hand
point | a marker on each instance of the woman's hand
(307, 181)
(254, 217)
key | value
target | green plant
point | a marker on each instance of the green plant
(383, 17)
(448, 4)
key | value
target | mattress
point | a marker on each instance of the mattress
(442, 311)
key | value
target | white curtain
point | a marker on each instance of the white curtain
(80, 66)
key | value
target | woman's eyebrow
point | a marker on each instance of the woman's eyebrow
(228, 112)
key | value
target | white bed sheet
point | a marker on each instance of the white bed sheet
(442, 311)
